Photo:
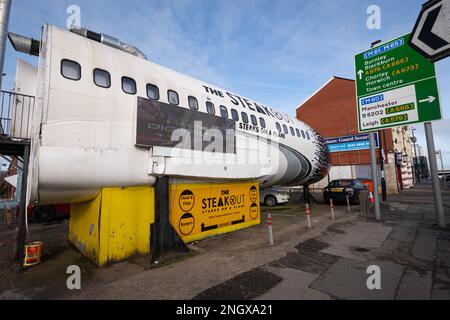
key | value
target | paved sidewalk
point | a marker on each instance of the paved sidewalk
(211, 262)
(411, 251)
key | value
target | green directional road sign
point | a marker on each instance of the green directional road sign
(395, 86)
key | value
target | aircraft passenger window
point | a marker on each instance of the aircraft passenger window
(210, 108)
(285, 129)
(234, 114)
(244, 117)
(303, 134)
(70, 70)
(263, 122)
(292, 131)
(298, 132)
(193, 103)
(278, 127)
(307, 135)
(224, 112)
(173, 97)
(102, 78)
(254, 121)
(152, 92)
(129, 85)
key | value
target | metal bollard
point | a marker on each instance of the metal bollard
(269, 223)
(332, 209)
(308, 217)
(348, 205)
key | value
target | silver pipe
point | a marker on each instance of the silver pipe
(5, 9)
(109, 41)
(24, 44)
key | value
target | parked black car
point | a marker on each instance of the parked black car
(338, 190)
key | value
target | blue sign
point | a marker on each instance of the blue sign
(384, 48)
(351, 143)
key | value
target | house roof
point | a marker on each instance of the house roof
(322, 87)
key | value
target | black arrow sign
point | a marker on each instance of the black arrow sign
(423, 39)
(427, 36)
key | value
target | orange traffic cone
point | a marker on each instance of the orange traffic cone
(371, 198)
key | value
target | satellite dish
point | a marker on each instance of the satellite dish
(413, 139)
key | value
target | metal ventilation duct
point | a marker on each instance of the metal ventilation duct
(109, 41)
(24, 44)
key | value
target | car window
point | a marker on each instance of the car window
(345, 183)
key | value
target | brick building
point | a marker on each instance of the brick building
(332, 112)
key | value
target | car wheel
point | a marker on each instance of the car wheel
(270, 201)
(42, 214)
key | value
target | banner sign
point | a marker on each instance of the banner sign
(164, 125)
(351, 143)
(202, 210)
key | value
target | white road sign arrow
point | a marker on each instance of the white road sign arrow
(360, 74)
(431, 34)
(430, 99)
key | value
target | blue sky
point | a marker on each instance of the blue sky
(276, 52)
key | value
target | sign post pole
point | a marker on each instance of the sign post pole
(373, 167)
(434, 175)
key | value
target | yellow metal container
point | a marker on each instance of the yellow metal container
(114, 226)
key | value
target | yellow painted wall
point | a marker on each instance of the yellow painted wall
(114, 226)
(198, 211)
(84, 227)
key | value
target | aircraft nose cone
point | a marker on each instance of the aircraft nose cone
(323, 159)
